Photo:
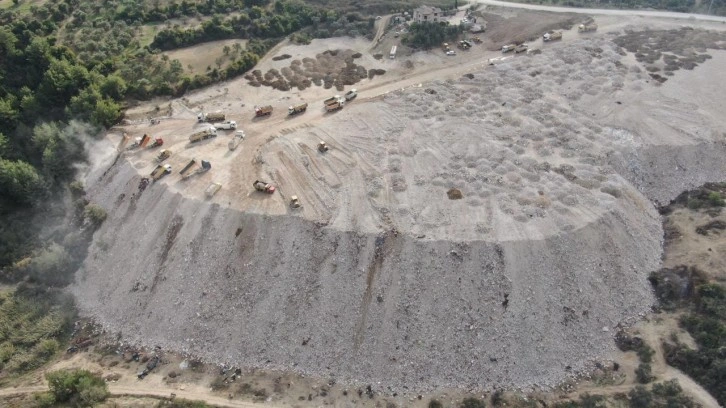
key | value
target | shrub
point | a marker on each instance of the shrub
(639, 397)
(715, 199)
(435, 404)
(94, 214)
(77, 387)
(644, 373)
(472, 403)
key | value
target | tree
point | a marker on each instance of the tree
(113, 87)
(77, 387)
(20, 182)
(226, 50)
(62, 81)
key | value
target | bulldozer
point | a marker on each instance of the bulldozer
(323, 147)
(263, 186)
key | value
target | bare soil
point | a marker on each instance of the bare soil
(379, 278)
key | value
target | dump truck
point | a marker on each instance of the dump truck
(294, 202)
(334, 103)
(228, 125)
(239, 136)
(552, 36)
(163, 155)
(392, 54)
(520, 48)
(139, 142)
(476, 40)
(204, 167)
(263, 186)
(294, 110)
(160, 171)
(323, 147)
(212, 189)
(157, 142)
(583, 28)
(189, 165)
(509, 47)
(203, 135)
(210, 117)
(464, 45)
(445, 47)
(350, 95)
(263, 110)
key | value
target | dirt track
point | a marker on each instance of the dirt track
(557, 156)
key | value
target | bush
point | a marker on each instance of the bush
(639, 397)
(472, 403)
(435, 404)
(77, 387)
(94, 214)
(644, 373)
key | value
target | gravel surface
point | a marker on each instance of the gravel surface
(381, 278)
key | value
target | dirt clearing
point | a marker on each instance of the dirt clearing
(196, 59)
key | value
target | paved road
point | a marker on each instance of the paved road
(644, 13)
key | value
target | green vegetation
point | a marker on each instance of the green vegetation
(181, 403)
(434, 403)
(75, 388)
(428, 35)
(718, 7)
(472, 403)
(33, 322)
(706, 322)
(662, 395)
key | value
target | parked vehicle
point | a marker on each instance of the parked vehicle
(350, 95)
(509, 47)
(583, 28)
(203, 135)
(228, 125)
(520, 48)
(212, 189)
(210, 117)
(552, 36)
(239, 136)
(160, 171)
(263, 186)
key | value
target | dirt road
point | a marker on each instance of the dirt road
(643, 13)
(141, 391)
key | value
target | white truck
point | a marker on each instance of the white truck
(509, 47)
(552, 36)
(228, 125)
(210, 117)
(583, 28)
(350, 95)
(203, 134)
(334, 103)
(239, 136)
(392, 55)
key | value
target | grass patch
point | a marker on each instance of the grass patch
(34, 323)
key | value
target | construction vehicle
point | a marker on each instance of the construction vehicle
(520, 48)
(294, 202)
(160, 171)
(509, 47)
(583, 28)
(263, 186)
(210, 117)
(445, 47)
(323, 147)
(157, 142)
(263, 110)
(552, 36)
(203, 168)
(203, 135)
(228, 125)
(350, 95)
(239, 136)
(392, 55)
(476, 40)
(463, 45)
(212, 189)
(294, 110)
(334, 103)
(140, 142)
(163, 155)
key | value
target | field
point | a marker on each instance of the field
(197, 59)
(480, 220)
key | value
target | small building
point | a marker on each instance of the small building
(427, 14)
